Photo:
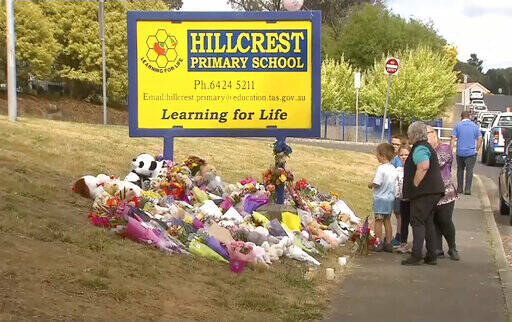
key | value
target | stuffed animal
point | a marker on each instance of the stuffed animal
(91, 187)
(316, 230)
(207, 177)
(144, 168)
(124, 190)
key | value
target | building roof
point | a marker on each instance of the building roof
(498, 102)
(464, 86)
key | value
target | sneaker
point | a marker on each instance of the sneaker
(379, 247)
(402, 248)
(454, 255)
(388, 248)
(412, 261)
(430, 261)
(439, 253)
(395, 242)
(467, 193)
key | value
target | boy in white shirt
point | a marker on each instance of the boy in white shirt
(383, 186)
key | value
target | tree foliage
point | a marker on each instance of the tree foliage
(338, 93)
(372, 30)
(35, 46)
(499, 78)
(60, 40)
(423, 89)
(474, 61)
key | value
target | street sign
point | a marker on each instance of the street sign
(392, 65)
(357, 80)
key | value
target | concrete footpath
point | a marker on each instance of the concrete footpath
(381, 289)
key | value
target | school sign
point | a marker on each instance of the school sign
(224, 73)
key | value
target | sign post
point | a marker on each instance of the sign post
(391, 67)
(200, 74)
(101, 18)
(357, 84)
(11, 63)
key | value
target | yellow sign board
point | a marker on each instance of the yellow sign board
(229, 74)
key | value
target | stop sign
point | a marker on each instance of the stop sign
(392, 65)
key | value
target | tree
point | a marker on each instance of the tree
(35, 46)
(499, 78)
(256, 5)
(474, 61)
(371, 31)
(424, 87)
(333, 11)
(337, 79)
(473, 73)
(76, 29)
(174, 4)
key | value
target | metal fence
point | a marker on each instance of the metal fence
(342, 126)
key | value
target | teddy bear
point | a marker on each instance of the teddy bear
(91, 187)
(144, 168)
(124, 190)
(315, 229)
(207, 177)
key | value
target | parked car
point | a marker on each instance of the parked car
(485, 120)
(476, 95)
(477, 102)
(493, 147)
(505, 182)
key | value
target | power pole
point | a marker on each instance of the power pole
(11, 62)
(101, 16)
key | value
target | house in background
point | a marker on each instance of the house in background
(465, 89)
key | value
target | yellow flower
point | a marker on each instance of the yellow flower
(282, 178)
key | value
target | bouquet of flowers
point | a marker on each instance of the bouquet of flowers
(363, 237)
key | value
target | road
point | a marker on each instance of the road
(489, 176)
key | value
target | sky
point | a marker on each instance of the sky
(474, 26)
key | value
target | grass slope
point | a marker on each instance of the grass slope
(56, 266)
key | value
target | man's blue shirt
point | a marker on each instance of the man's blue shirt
(466, 132)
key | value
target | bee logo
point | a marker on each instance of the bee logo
(161, 55)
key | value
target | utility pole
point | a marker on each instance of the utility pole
(101, 16)
(11, 62)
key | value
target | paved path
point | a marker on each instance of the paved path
(380, 289)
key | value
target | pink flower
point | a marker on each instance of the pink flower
(236, 266)
(99, 221)
(248, 180)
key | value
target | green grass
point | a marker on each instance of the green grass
(56, 266)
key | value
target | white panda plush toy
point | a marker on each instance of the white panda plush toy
(144, 168)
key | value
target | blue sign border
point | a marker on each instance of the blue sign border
(176, 16)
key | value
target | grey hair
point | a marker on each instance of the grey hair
(417, 131)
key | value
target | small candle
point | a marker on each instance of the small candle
(329, 273)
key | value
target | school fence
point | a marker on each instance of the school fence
(342, 126)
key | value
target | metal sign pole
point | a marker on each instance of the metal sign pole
(385, 108)
(11, 63)
(101, 15)
(357, 114)
(357, 84)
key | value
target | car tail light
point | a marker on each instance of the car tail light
(496, 136)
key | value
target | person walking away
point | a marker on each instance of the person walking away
(396, 142)
(383, 186)
(443, 212)
(467, 137)
(424, 187)
(404, 204)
